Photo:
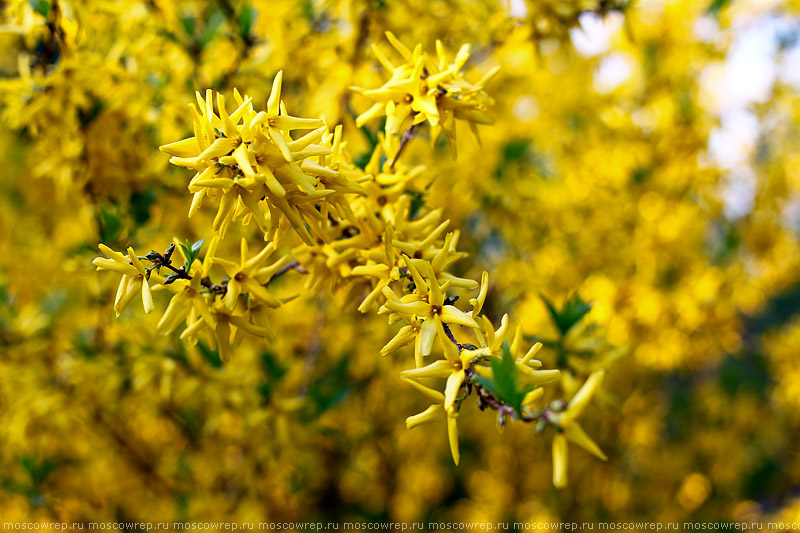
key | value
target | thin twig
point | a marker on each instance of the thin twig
(291, 265)
(407, 136)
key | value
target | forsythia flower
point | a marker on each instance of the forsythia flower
(135, 279)
(249, 160)
(455, 371)
(569, 429)
(426, 90)
(429, 305)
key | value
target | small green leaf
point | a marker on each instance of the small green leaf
(570, 314)
(196, 249)
(504, 384)
(210, 29)
(716, 6)
(247, 17)
(110, 225)
(141, 201)
(41, 6)
(487, 384)
(211, 356)
(188, 23)
(187, 253)
(417, 202)
(38, 470)
(363, 160)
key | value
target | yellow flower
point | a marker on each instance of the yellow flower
(249, 276)
(134, 278)
(188, 299)
(454, 370)
(428, 303)
(424, 90)
(248, 158)
(570, 430)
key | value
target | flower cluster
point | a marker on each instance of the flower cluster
(360, 231)
(427, 90)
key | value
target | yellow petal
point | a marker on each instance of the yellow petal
(532, 396)
(244, 325)
(560, 461)
(580, 401)
(381, 59)
(418, 308)
(533, 351)
(538, 377)
(283, 122)
(454, 382)
(400, 47)
(107, 264)
(147, 298)
(223, 334)
(427, 333)
(221, 146)
(136, 262)
(403, 337)
(277, 137)
(576, 435)
(448, 347)
(111, 254)
(274, 100)
(128, 293)
(419, 281)
(433, 394)
(431, 414)
(452, 433)
(375, 111)
(243, 159)
(477, 303)
(174, 315)
(453, 315)
(260, 294)
(185, 148)
(232, 295)
(437, 369)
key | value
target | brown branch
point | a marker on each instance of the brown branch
(291, 265)
(407, 136)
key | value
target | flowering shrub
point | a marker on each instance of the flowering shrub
(358, 230)
(583, 224)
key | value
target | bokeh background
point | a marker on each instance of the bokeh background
(645, 156)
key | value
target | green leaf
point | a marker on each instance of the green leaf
(570, 314)
(110, 225)
(716, 6)
(196, 249)
(504, 384)
(417, 203)
(487, 384)
(211, 28)
(273, 372)
(188, 23)
(247, 17)
(141, 201)
(38, 470)
(41, 6)
(211, 356)
(187, 253)
(307, 9)
(363, 160)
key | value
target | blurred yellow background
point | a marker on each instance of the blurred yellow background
(644, 156)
